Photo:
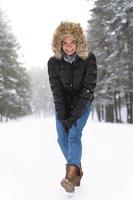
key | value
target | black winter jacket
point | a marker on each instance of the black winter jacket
(72, 85)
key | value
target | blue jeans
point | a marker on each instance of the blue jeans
(70, 142)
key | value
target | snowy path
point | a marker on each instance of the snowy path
(31, 165)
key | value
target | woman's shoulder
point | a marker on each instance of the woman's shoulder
(52, 60)
(91, 57)
(53, 63)
(91, 62)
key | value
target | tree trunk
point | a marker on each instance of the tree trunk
(130, 108)
(119, 108)
(98, 112)
(115, 106)
(1, 117)
(102, 112)
(109, 113)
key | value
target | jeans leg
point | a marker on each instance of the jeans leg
(74, 138)
(62, 138)
(75, 146)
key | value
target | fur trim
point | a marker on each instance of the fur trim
(69, 28)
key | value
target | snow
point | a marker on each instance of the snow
(11, 91)
(112, 55)
(32, 166)
(13, 79)
(124, 21)
(128, 6)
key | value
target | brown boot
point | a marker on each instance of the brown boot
(78, 178)
(72, 178)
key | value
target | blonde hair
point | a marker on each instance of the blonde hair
(70, 29)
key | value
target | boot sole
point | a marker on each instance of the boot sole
(67, 185)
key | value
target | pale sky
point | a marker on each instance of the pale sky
(34, 22)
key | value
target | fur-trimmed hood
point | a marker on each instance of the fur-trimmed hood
(73, 29)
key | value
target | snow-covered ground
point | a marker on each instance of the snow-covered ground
(31, 164)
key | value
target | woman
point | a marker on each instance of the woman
(72, 75)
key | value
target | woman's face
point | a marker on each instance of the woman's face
(69, 45)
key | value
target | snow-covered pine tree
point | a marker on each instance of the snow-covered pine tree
(110, 31)
(14, 84)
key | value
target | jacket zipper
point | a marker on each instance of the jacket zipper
(71, 76)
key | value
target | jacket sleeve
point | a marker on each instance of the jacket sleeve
(89, 83)
(57, 89)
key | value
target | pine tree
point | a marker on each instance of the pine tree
(110, 33)
(14, 85)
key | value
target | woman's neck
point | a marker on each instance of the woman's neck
(69, 58)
